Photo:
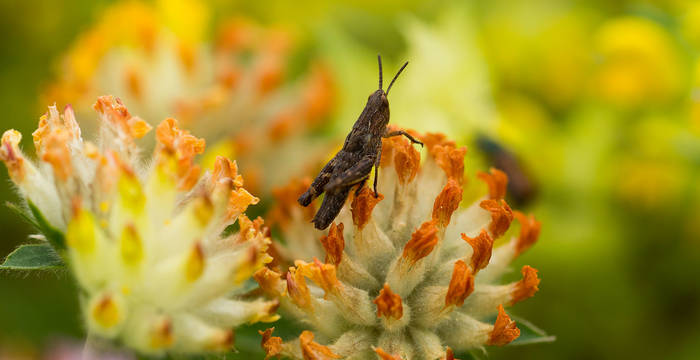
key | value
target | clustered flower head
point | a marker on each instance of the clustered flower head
(408, 274)
(234, 87)
(145, 242)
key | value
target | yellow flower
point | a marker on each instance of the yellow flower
(144, 240)
(407, 274)
(638, 63)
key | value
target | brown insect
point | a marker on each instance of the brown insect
(353, 164)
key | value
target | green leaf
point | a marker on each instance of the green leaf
(33, 257)
(54, 236)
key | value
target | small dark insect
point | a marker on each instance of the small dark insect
(353, 163)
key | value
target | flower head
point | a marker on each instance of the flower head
(145, 243)
(230, 88)
(408, 274)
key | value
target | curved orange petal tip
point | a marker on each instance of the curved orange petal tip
(362, 206)
(497, 182)
(57, 153)
(383, 355)
(529, 232)
(11, 155)
(527, 286)
(431, 140)
(270, 281)
(406, 159)
(118, 115)
(482, 246)
(271, 344)
(389, 304)
(504, 329)
(239, 201)
(183, 147)
(501, 216)
(447, 202)
(321, 274)
(422, 242)
(461, 285)
(334, 244)
(226, 170)
(311, 350)
(297, 289)
(451, 160)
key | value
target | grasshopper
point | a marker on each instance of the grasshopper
(353, 164)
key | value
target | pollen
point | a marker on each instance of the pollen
(527, 286)
(497, 182)
(194, 265)
(422, 242)
(461, 285)
(271, 344)
(334, 243)
(362, 206)
(447, 202)
(389, 304)
(482, 247)
(501, 216)
(504, 329)
(311, 350)
(529, 232)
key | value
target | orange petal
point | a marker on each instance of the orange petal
(422, 242)
(321, 274)
(431, 140)
(406, 159)
(311, 350)
(362, 206)
(449, 354)
(239, 201)
(451, 160)
(270, 281)
(116, 113)
(12, 156)
(57, 153)
(497, 182)
(383, 355)
(461, 285)
(482, 246)
(447, 202)
(504, 329)
(501, 216)
(271, 344)
(318, 94)
(179, 144)
(389, 304)
(334, 244)
(297, 289)
(527, 286)
(529, 232)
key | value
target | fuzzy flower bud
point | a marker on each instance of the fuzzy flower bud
(410, 274)
(145, 243)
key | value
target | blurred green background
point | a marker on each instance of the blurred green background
(598, 101)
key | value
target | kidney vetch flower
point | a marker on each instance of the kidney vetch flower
(408, 274)
(145, 243)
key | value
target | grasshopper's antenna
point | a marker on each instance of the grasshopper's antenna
(379, 59)
(395, 76)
